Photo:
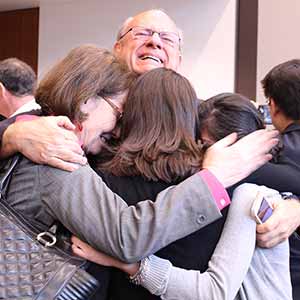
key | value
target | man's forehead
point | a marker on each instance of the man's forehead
(155, 20)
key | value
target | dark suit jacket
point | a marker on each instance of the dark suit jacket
(283, 173)
(291, 141)
(291, 151)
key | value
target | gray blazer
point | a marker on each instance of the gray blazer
(90, 210)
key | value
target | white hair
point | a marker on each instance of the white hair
(123, 27)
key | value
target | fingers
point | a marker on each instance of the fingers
(78, 243)
(67, 135)
(265, 146)
(72, 147)
(67, 157)
(62, 127)
(64, 122)
(69, 152)
(254, 149)
(259, 161)
(75, 240)
(269, 240)
(268, 234)
(49, 143)
(84, 250)
(266, 139)
(262, 134)
(225, 159)
(272, 235)
(78, 251)
(271, 133)
(270, 225)
(78, 247)
(261, 141)
(61, 164)
(226, 141)
(52, 126)
(280, 225)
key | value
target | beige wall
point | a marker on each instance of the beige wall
(278, 36)
(208, 25)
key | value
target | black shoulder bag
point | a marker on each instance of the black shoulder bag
(33, 264)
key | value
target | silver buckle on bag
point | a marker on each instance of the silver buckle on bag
(46, 238)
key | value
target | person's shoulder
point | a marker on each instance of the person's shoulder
(291, 130)
(291, 137)
(50, 175)
(56, 183)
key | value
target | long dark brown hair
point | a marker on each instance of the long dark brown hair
(86, 72)
(158, 129)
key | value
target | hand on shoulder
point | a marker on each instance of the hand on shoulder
(46, 140)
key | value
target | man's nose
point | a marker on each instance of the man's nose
(154, 41)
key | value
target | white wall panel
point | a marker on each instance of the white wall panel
(208, 26)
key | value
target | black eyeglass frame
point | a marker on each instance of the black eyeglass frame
(151, 32)
(116, 109)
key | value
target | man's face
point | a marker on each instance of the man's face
(145, 54)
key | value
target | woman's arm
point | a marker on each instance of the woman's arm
(90, 210)
(236, 266)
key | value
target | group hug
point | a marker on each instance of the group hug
(156, 186)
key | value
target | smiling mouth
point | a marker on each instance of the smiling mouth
(154, 58)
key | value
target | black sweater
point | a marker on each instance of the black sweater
(191, 252)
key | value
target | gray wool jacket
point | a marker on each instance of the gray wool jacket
(82, 202)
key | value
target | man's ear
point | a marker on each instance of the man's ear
(274, 107)
(2, 90)
(117, 48)
(180, 59)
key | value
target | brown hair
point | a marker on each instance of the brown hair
(158, 129)
(86, 72)
(282, 84)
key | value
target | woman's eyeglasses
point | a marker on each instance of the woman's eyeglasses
(116, 109)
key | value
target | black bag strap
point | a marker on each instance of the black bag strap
(4, 182)
(66, 280)
(47, 236)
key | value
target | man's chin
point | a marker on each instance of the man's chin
(145, 68)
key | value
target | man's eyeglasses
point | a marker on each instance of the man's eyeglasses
(142, 33)
(116, 109)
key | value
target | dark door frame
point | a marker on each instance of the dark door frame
(246, 48)
(20, 33)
